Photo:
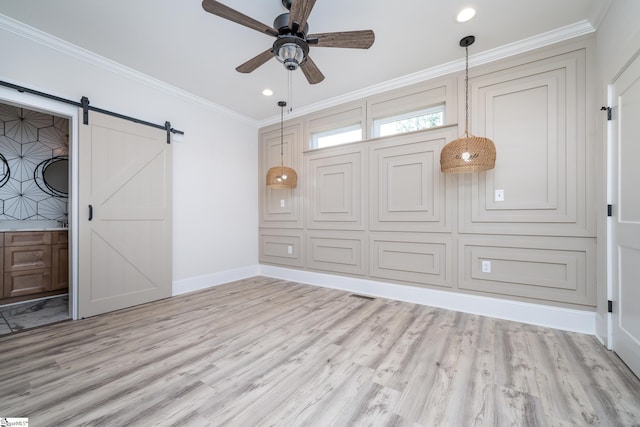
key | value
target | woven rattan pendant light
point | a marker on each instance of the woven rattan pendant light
(470, 153)
(282, 176)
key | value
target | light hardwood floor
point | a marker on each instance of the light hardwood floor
(268, 352)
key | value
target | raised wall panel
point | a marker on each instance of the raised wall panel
(413, 98)
(535, 114)
(280, 208)
(423, 259)
(407, 190)
(336, 187)
(282, 247)
(337, 251)
(538, 268)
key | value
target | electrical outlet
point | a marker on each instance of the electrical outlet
(499, 196)
(289, 249)
(486, 266)
(282, 203)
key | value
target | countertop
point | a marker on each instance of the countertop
(31, 225)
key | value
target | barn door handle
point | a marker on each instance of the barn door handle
(90, 212)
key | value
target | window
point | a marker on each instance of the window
(408, 122)
(339, 136)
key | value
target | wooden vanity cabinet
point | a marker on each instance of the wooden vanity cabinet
(35, 264)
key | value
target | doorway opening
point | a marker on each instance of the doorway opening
(38, 215)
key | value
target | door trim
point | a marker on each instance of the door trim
(70, 112)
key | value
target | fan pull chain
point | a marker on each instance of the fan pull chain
(290, 90)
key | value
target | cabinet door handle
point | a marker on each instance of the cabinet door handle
(90, 212)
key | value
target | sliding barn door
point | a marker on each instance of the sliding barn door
(626, 220)
(125, 215)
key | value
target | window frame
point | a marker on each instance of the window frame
(378, 122)
(314, 137)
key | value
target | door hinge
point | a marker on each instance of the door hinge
(608, 110)
(609, 306)
(609, 210)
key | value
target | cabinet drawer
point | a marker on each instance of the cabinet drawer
(20, 258)
(18, 283)
(27, 238)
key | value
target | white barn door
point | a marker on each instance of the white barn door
(125, 204)
(626, 221)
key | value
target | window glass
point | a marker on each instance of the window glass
(408, 122)
(339, 136)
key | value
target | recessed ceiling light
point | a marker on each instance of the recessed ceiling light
(267, 92)
(466, 14)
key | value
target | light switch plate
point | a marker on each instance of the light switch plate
(289, 249)
(486, 266)
(282, 203)
(499, 196)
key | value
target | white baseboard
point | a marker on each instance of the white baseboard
(536, 314)
(214, 279)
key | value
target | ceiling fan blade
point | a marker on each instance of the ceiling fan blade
(311, 71)
(226, 12)
(299, 13)
(255, 62)
(362, 39)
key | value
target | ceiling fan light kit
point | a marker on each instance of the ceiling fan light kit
(469, 153)
(282, 177)
(291, 46)
(291, 52)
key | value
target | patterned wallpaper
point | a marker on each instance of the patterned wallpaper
(28, 140)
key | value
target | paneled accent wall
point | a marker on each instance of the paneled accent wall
(381, 209)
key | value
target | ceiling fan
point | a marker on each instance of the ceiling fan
(290, 29)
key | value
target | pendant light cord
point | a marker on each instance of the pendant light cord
(282, 137)
(466, 92)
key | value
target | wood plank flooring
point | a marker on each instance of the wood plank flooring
(265, 352)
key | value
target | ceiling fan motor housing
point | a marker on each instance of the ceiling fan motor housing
(287, 4)
(281, 24)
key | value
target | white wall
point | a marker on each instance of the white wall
(618, 38)
(618, 43)
(215, 164)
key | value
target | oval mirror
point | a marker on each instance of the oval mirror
(56, 175)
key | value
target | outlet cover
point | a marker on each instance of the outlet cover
(486, 266)
(289, 249)
(282, 203)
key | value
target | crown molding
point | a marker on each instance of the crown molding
(525, 45)
(25, 31)
(541, 40)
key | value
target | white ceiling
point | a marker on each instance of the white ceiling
(177, 42)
